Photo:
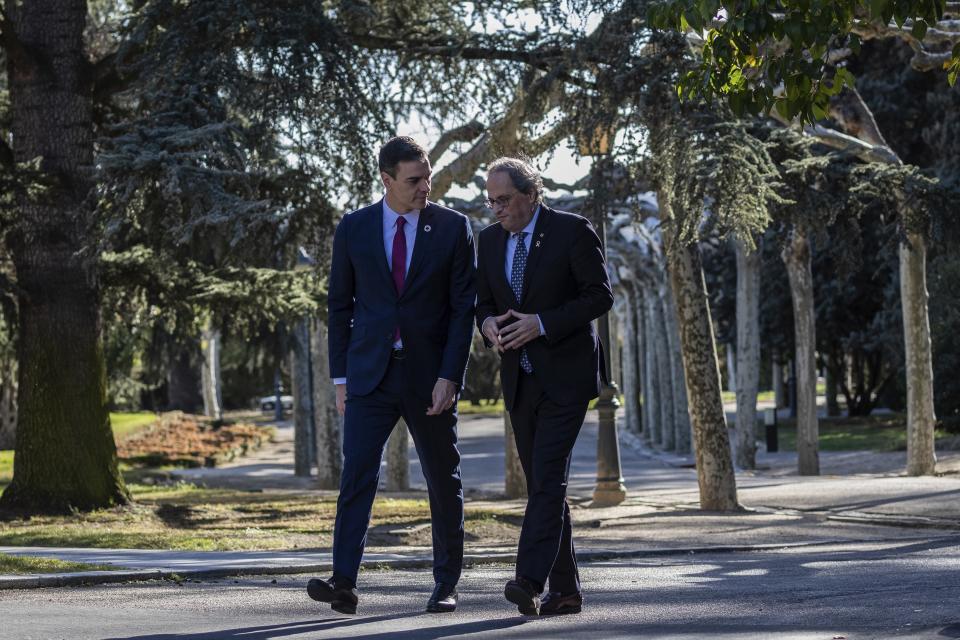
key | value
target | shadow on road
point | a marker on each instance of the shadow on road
(297, 628)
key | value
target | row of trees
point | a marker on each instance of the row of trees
(170, 157)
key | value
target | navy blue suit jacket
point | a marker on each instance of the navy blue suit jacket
(434, 312)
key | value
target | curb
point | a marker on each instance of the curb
(35, 581)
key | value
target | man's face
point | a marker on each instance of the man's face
(410, 188)
(513, 209)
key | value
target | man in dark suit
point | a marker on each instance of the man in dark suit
(401, 301)
(541, 281)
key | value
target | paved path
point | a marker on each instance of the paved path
(888, 591)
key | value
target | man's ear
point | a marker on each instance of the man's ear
(386, 179)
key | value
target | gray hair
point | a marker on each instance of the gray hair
(525, 178)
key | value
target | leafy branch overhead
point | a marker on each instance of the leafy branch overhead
(789, 54)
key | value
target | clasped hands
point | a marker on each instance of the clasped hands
(504, 334)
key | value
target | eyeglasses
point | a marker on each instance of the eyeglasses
(499, 203)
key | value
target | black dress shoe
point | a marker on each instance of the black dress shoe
(556, 603)
(522, 593)
(444, 598)
(341, 595)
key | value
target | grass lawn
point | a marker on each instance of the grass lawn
(125, 424)
(186, 517)
(23, 564)
(885, 432)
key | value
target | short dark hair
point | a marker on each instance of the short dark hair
(525, 178)
(397, 150)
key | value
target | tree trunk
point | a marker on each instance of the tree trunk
(210, 374)
(328, 422)
(65, 453)
(730, 359)
(796, 256)
(718, 488)
(664, 357)
(515, 483)
(398, 458)
(183, 386)
(661, 377)
(8, 406)
(831, 390)
(651, 393)
(631, 377)
(681, 409)
(780, 398)
(616, 347)
(303, 409)
(921, 420)
(748, 352)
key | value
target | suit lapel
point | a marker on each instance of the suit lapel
(375, 233)
(537, 243)
(421, 246)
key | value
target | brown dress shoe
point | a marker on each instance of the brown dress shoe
(555, 603)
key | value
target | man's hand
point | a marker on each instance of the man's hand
(519, 333)
(491, 330)
(444, 395)
(341, 398)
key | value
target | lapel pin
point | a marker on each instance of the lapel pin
(538, 244)
(427, 228)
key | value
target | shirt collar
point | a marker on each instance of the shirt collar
(390, 216)
(533, 222)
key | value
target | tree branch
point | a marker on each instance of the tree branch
(464, 133)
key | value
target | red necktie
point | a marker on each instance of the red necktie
(399, 262)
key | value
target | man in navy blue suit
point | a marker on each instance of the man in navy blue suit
(401, 302)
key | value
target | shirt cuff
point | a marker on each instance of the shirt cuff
(543, 331)
(339, 381)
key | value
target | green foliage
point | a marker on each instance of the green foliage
(30, 564)
(777, 53)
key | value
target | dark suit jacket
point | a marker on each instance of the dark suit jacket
(434, 312)
(566, 283)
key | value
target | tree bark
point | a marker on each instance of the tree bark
(661, 380)
(398, 458)
(65, 453)
(8, 406)
(303, 410)
(515, 483)
(616, 347)
(748, 352)
(780, 398)
(328, 422)
(831, 390)
(651, 398)
(681, 410)
(210, 374)
(796, 256)
(730, 360)
(718, 488)
(921, 419)
(631, 375)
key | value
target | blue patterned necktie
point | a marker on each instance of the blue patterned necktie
(516, 283)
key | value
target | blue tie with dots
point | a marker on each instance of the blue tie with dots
(516, 283)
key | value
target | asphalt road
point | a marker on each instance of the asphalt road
(907, 589)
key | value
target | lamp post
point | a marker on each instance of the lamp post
(610, 489)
